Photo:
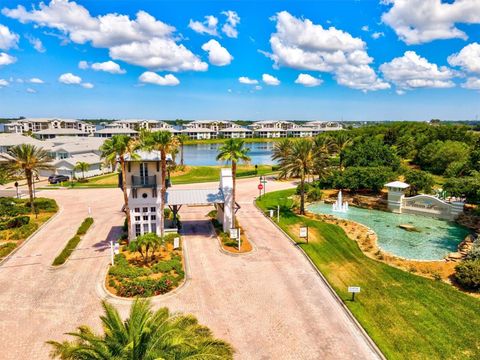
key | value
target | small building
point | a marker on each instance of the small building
(66, 166)
(199, 133)
(236, 133)
(110, 131)
(302, 132)
(272, 124)
(325, 125)
(270, 133)
(214, 125)
(138, 124)
(56, 132)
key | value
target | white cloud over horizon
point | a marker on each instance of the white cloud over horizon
(270, 80)
(149, 77)
(246, 80)
(72, 79)
(107, 66)
(308, 80)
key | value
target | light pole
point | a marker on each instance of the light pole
(16, 187)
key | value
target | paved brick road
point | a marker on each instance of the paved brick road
(269, 304)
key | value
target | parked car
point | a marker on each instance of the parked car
(55, 179)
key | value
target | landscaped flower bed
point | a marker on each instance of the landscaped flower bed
(17, 222)
(228, 243)
(147, 267)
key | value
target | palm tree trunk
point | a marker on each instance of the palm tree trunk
(125, 195)
(302, 194)
(28, 175)
(163, 190)
(181, 158)
(234, 176)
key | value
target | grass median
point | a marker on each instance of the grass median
(73, 242)
(408, 316)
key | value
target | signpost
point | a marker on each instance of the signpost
(176, 243)
(16, 187)
(304, 233)
(354, 290)
(260, 187)
(235, 234)
(111, 252)
(263, 182)
(278, 214)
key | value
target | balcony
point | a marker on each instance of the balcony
(144, 181)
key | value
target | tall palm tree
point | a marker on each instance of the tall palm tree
(342, 141)
(182, 139)
(281, 150)
(28, 160)
(300, 162)
(234, 151)
(164, 142)
(82, 166)
(114, 150)
(144, 335)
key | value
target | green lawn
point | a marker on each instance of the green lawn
(193, 174)
(408, 316)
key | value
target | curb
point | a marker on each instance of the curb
(347, 311)
(6, 258)
(104, 294)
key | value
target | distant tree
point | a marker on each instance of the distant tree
(438, 155)
(82, 166)
(341, 142)
(371, 153)
(281, 151)
(359, 178)
(419, 181)
(145, 335)
(182, 139)
(28, 160)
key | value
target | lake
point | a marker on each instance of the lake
(205, 154)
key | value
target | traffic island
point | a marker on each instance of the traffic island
(228, 243)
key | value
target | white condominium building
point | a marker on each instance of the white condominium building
(214, 125)
(138, 124)
(273, 124)
(34, 125)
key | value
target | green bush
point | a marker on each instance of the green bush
(24, 231)
(67, 251)
(10, 207)
(145, 287)
(7, 248)
(474, 253)
(17, 221)
(467, 274)
(44, 204)
(82, 230)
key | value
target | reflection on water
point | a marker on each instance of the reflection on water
(432, 240)
(205, 154)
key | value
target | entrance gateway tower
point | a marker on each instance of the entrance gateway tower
(144, 184)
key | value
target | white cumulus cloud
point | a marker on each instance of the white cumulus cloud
(83, 65)
(301, 44)
(468, 58)
(472, 83)
(150, 77)
(31, 91)
(107, 66)
(270, 80)
(87, 85)
(247, 80)
(412, 71)
(308, 80)
(230, 26)
(6, 59)
(3, 83)
(70, 79)
(8, 39)
(35, 81)
(143, 40)
(422, 21)
(217, 54)
(208, 26)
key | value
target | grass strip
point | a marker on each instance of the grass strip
(73, 242)
(408, 316)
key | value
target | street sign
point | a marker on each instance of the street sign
(354, 289)
(303, 232)
(234, 233)
(116, 248)
(176, 243)
(271, 213)
(260, 186)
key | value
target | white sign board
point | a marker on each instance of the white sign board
(354, 289)
(303, 232)
(176, 243)
(271, 213)
(233, 233)
(116, 248)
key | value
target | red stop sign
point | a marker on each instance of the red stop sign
(260, 186)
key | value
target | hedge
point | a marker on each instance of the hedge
(73, 242)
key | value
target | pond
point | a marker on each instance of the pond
(205, 154)
(432, 239)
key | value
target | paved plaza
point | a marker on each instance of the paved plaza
(270, 304)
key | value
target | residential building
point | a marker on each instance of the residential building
(199, 133)
(108, 132)
(33, 125)
(67, 166)
(138, 124)
(302, 132)
(52, 133)
(214, 125)
(235, 133)
(273, 124)
(270, 133)
(325, 125)
(7, 140)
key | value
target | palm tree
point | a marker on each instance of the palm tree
(114, 150)
(342, 141)
(281, 150)
(164, 142)
(182, 139)
(300, 162)
(234, 151)
(29, 160)
(82, 166)
(144, 335)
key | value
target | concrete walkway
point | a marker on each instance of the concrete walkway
(269, 304)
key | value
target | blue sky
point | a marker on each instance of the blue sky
(299, 60)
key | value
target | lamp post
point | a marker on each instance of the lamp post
(71, 179)
(16, 187)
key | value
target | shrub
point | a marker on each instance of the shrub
(7, 248)
(15, 222)
(44, 204)
(467, 274)
(67, 251)
(24, 231)
(82, 230)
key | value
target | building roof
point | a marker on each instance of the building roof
(397, 184)
(235, 129)
(194, 197)
(116, 131)
(60, 132)
(12, 139)
(89, 158)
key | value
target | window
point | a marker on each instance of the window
(143, 170)
(138, 230)
(153, 217)
(137, 218)
(154, 226)
(153, 209)
(137, 210)
(145, 217)
(145, 209)
(145, 228)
